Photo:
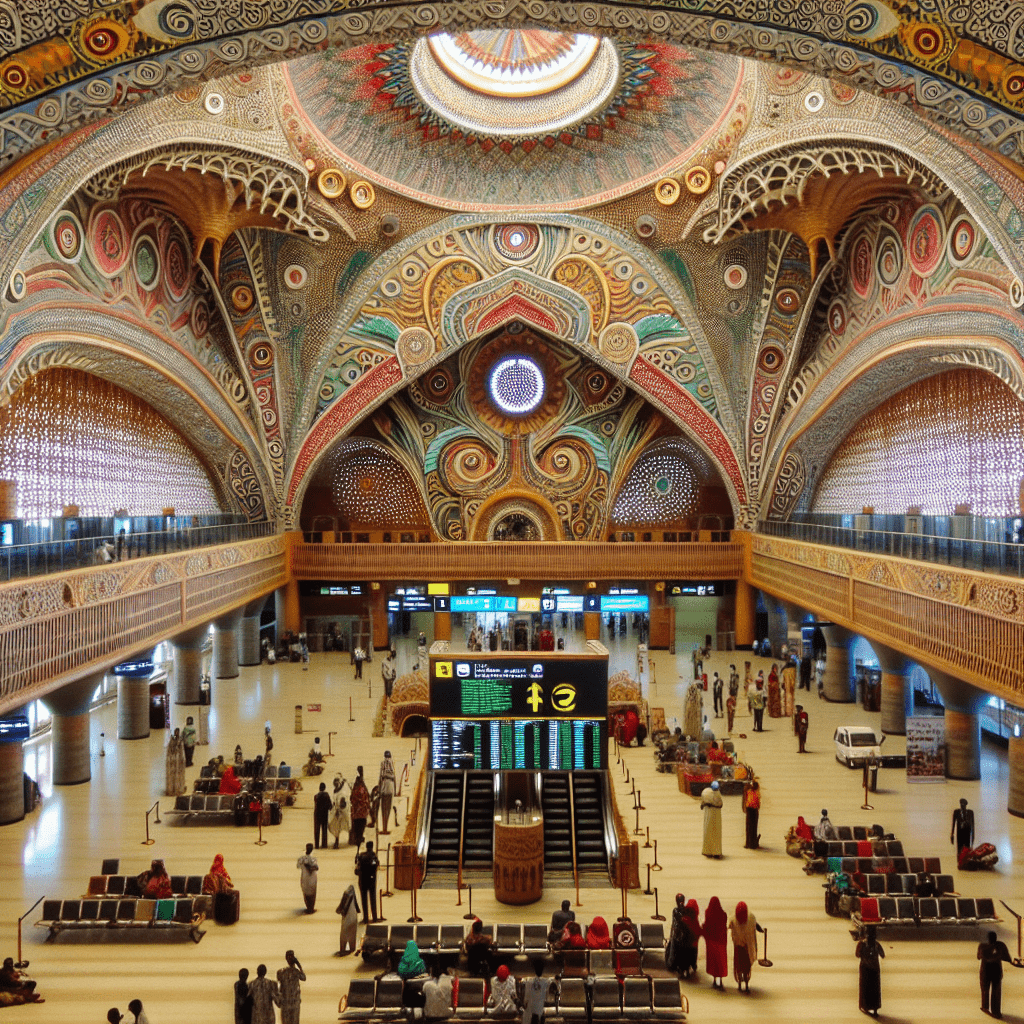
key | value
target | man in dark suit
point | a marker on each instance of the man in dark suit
(366, 869)
(322, 804)
(992, 955)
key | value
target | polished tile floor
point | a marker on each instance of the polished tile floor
(814, 976)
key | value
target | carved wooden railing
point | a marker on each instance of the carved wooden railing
(56, 628)
(969, 624)
(569, 560)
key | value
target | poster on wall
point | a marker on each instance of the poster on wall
(926, 749)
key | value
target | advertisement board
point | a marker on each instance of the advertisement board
(926, 749)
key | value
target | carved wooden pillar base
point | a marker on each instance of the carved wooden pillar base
(132, 708)
(12, 790)
(836, 680)
(1015, 758)
(894, 703)
(518, 862)
(442, 625)
(963, 745)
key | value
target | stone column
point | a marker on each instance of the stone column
(794, 627)
(188, 664)
(249, 652)
(132, 707)
(963, 702)
(69, 730)
(1015, 760)
(777, 622)
(225, 645)
(897, 700)
(745, 615)
(289, 615)
(442, 625)
(837, 682)
(12, 789)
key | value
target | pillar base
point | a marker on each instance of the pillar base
(1015, 760)
(963, 745)
(12, 787)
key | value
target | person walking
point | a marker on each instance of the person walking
(188, 740)
(718, 688)
(243, 1000)
(386, 787)
(175, 765)
(349, 910)
(388, 671)
(360, 808)
(868, 951)
(288, 978)
(752, 811)
(992, 954)
(265, 996)
(802, 723)
(711, 804)
(308, 868)
(757, 701)
(366, 869)
(715, 942)
(744, 928)
(962, 829)
(339, 812)
(322, 807)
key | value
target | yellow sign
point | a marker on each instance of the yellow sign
(444, 670)
(438, 588)
(535, 696)
(563, 697)
(528, 604)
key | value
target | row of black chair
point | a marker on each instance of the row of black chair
(882, 865)
(855, 848)
(128, 885)
(906, 910)
(272, 771)
(638, 997)
(166, 915)
(904, 885)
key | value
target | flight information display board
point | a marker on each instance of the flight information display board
(518, 744)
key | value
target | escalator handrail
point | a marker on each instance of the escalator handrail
(572, 829)
(462, 822)
(423, 838)
(611, 835)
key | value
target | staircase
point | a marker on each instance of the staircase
(445, 819)
(478, 836)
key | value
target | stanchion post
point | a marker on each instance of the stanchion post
(648, 891)
(350, 718)
(380, 907)
(656, 866)
(33, 907)
(469, 916)
(415, 919)
(656, 916)
(647, 845)
(639, 803)
(330, 753)
(386, 891)
(638, 831)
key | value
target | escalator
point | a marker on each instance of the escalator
(588, 803)
(478, 827)
(557, 822)
(445, 819)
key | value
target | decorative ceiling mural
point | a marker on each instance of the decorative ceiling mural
(577, 132)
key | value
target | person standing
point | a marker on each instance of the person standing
(265, 996)
(339, 812)
(774, 693)
(243, 1000)
(175, 765)
(869, 949)
(757, 700)
(730, 712)
(388, 671)
(322, 806)
(962, 830)
(386, 785)
(360, 808)
(992, 955)
(752, 810)
(349, 910)
(137, 1012)
(718, 688)
(366, 869)
(744, 928)
(802, 723)
(188, 740)
(269, 743)
(711, 805)
(308, 868)
(288, 979)
(359, 656)
(715, 942)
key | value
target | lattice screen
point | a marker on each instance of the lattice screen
(369, 487)
(953, 439)
(67, 438)
(664, 486)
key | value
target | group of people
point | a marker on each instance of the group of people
(138, 1015)
(687, 930)
(15, 988)
(255, 1000)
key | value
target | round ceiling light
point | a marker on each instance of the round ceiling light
(516, 385)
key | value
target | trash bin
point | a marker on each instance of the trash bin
(873, 777)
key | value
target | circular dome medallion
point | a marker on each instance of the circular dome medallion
(516, 385)
(516, 242)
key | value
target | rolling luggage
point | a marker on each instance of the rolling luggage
(226, 907)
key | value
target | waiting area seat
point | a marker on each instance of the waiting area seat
(171, 916)
(909, 911)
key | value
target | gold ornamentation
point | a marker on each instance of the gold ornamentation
(667, 191)
(331, 183)
(362, 195)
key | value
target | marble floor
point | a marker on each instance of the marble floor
(814, 977)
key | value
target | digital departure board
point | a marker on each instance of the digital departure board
(518, 744)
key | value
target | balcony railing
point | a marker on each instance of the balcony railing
(41, 547)
(964, 542)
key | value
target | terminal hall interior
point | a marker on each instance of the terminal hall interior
(577, 354)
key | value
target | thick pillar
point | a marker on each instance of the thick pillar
(379, 617)
(249, 652)
(745, 615)
(592, 625)
(1015, 759)
(188, 664)
(777, 623)
(837, 681)
(132, 707)
(442, 625)
(897, 700)
(69, 730)
(289, 616)
(794, 627)
(225, 645)
(963, 702)
(12, 789)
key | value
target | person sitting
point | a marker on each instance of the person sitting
(411, 965)
(572, 938)
(597, 934)
(229, 783)
(925, 885)
(239, 759)
(437, 996)
(502, 999)
(559, 919)
(825, 830)
(158, 884)
(217, 878)
(15, 990)
(477, 947)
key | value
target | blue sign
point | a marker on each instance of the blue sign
(569, 603)
(134, 669)
(478, 603)
(624, 603)
(14, 730)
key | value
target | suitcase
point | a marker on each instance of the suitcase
(226, 906)
(275, 813)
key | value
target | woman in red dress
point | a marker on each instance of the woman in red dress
(774, 693)
(716, 946)
(597, 934)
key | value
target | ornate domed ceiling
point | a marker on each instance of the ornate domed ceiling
(514, 119)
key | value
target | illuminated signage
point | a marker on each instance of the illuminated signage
(529, 604)
(692, 588)
(483, 603)
(569, 603)
(13, 730)
(438, 588)
(624, 603)
(341, 590)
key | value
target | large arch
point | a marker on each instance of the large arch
(62, 72)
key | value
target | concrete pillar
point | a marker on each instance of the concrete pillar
(12, 789)
(1015, 759)
(745, 615)
(837, 681)
(249, 652)
(592, 625)
(69, 730)
(188, 664)
(897, 699)
(777, 623)
(963, 702)
(794, 627)
(132, 707)
(225, 645)
(442, 625)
